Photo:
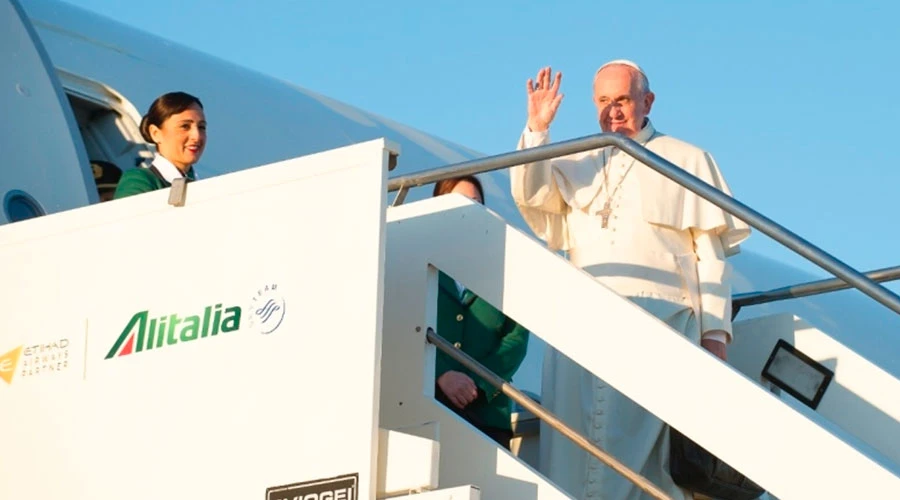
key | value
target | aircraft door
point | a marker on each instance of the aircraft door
(43, 163)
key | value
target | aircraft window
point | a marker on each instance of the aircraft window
(20, 206)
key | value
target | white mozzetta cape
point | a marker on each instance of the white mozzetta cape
(666, 203)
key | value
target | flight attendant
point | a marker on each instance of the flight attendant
(481, 331)
(176, 124)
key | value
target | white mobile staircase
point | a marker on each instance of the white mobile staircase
(841, 445)
(790, 452)
(338, 391)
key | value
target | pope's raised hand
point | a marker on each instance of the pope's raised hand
(543, 99)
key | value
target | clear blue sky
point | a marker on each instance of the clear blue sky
(794, 99)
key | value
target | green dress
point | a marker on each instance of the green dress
(494, 340)
(143, 180)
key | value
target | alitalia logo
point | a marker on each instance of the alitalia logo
(144, 333)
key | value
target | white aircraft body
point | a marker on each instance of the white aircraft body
(75, 85)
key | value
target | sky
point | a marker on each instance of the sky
(793, 99)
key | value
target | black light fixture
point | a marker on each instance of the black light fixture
(797, 374)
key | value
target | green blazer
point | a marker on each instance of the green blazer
(486, 334)
(142, 180)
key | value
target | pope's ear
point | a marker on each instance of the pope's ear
(648, 101)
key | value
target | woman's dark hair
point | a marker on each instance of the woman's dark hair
(163, 107)
(446, 186)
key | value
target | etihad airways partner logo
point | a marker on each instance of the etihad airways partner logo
(32, 360)
(143, 333)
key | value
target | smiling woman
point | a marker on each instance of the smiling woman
(176, 124)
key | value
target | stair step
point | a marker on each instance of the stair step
(468, 492)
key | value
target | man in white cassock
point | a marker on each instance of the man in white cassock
(645, 237)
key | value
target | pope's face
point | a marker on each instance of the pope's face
(621, 106)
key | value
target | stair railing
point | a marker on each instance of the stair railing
(755, 219)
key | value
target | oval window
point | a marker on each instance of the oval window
(20, 206)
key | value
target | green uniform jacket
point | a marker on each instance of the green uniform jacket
(142, 180)
(486, 334)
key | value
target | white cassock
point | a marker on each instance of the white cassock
(664, 248)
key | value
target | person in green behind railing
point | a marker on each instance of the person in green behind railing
(176, 123)
(481, 331)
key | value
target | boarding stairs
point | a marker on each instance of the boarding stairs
(344, 381)
(790, 450)
(795, 410)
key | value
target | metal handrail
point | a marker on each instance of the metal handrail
(755, 219)
(810, 288)
(548, 417)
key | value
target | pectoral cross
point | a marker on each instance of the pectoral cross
(605, 213)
